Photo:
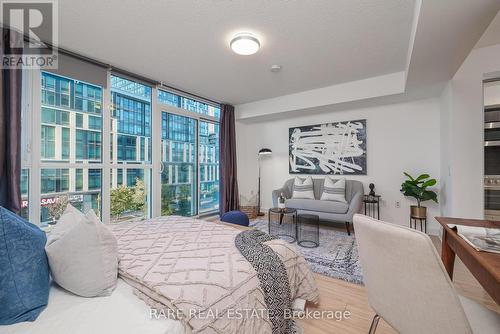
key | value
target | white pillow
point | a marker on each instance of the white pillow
(303, 188)
(83, 254)
(334, 190)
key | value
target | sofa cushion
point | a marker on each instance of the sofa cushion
(303, 188)
(24, 271)
(352, 187)
(83, 254)
(316, 205)
(334, 190)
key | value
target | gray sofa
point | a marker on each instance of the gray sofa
(328, 211)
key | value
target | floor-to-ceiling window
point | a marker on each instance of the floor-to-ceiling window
(70, 146)
(26, 139)
(209, 166)
(130, 149)
(100, 143)
(190, 155)
(179, 181)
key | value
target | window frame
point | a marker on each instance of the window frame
(146, 166)
(32, 159)
(162, 107)
(32, 102)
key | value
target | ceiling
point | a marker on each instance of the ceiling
(185, 43)
(442, 35)
(492, 35)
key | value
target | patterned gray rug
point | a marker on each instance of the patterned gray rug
(336, 256)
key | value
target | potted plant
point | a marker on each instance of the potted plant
(417, 188)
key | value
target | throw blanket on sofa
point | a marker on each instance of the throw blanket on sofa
(272, 276)
(193, 268)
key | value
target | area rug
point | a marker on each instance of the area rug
(336, 256)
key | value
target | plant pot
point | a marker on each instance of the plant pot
(418, 212)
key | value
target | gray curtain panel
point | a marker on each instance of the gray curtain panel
(10, 128)
(229, 198)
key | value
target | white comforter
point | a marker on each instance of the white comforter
(120, 313)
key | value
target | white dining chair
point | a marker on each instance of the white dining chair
(408, 286)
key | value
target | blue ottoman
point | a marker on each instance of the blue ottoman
(235, 217)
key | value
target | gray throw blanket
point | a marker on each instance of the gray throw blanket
(272, 275)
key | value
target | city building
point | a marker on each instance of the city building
(190, 157)
(71, 134)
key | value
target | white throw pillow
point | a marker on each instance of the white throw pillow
(303, 188)
(83, 254)
(334, 190)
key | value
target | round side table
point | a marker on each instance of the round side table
(283, 223)
(308, 230)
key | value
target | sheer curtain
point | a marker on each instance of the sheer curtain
(229, 198)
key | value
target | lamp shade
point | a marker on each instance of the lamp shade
(264, 151)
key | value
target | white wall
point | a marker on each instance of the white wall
(441, 136)
(463, 116)
(401, 137)
(445, 176)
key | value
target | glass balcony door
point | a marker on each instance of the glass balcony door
(179, 147)
(209, 166)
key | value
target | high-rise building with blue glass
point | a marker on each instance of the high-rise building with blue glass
(70, 132)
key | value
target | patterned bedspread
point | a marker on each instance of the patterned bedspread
(193, 268)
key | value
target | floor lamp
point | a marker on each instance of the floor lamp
(262, 151)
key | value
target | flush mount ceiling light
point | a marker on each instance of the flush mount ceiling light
(245, 44)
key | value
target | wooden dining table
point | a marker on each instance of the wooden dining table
(484, 266)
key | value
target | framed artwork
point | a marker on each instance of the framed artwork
(331, 148)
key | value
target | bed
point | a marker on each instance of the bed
(195, 268)
(191, 273)
(120, 313)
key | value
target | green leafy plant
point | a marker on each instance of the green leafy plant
(128, 199)
(417, 188)
(57, 209)
(121, 200)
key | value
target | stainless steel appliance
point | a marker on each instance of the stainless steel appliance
(492, 197)
(492, 134)
(492, 162)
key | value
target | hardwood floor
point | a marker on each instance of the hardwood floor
(338, 295)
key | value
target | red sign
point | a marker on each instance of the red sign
(53, 200)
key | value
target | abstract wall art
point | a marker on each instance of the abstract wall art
(331, 148)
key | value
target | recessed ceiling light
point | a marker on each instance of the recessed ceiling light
(245, 44)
